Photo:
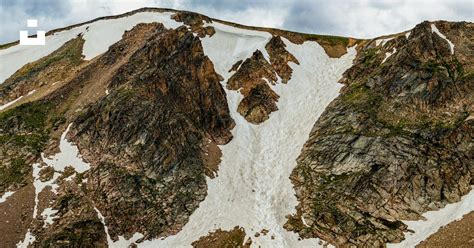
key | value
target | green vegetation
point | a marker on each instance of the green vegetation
(25, 125)
(328, 39)
(14, 173)
(25, 132)
(70, 53)
(370, 56)
(7, 45)
(362, 98)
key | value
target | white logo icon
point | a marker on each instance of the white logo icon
(40, 39)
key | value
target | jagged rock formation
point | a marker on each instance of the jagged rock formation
(253, 75)
(280, 57)
(162, 136)
(195, 22)
(395, 144)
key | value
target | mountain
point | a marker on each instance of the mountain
(164, 128)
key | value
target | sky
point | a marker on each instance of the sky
(354, 18)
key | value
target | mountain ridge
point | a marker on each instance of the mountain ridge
(239, 113)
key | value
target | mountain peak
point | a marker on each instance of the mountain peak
(169, 128)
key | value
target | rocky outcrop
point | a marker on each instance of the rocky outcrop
(234, 238)
(396, 143)
(195, 22)
(280, 57)
(144, 139)
(253, 76)
(251, 79)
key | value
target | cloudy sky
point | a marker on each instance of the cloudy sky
(356, 18)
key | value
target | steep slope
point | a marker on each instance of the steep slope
(163, 128)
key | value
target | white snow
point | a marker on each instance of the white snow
(6, 105)
(29, 239)
(434, 29)
(5, 196)
(98, 37)
(407, 34)
(68, 156)
(103, 33)
(435, 220)
(48, 215)
(382, 41)
(388, 54)
(253, 189)
(39, 186)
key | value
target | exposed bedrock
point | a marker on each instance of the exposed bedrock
(396, 143)
(146, 139)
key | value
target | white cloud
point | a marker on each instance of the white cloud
(357, 18)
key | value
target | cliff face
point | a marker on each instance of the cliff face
(396, 143)
(122, 139)
(170, 106)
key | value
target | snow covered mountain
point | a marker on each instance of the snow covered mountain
(163, 128)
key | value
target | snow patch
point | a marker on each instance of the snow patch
(253, 189)
(29, 239)
(407, 35)
(68, 156)
(6, 105)
(434, 29)
(388, 54)
(39, 186)
(48, 215)
(435, 220)
(5, 196)
(382, 41)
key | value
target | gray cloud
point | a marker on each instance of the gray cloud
(371, 18)
(357, 18)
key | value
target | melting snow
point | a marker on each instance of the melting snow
(435, 220)
(382, 41)
(253, 189)
(407, 34)
(6, 195)
(8, 104)
(68, 156)
(388, 54)
(98, 36)
(48, 215)
(39, 186)
(435, 30)
(29, 238)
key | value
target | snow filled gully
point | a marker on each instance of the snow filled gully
(253, 189)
